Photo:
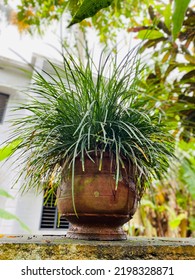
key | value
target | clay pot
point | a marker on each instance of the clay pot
(101, 209)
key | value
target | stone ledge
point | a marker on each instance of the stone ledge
(34, 247)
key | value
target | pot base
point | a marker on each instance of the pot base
(89, 232)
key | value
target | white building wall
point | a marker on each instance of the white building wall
(27, 207)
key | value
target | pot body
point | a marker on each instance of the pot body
(101, 209)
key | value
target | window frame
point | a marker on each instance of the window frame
(51, 205)
(3, 110)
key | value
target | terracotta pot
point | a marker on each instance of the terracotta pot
(101, 209)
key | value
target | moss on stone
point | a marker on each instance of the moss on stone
(60, 248)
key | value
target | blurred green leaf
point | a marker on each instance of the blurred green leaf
(189, 76)
(185, 67)
(5, 194)
(149, 203)
(186, 146)
(149, 34)
(180, 7)
(8, 216)
(8, 150)
(88, 9)
(192, 223)
(166, 56)
(187, 167)
(188, 177)
(190, 58)
(176, 222)
(167, 15)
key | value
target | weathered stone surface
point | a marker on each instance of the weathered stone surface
(60, 248)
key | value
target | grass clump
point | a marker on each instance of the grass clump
(78, 109)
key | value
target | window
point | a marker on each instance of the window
(3, 103)
(49, 218)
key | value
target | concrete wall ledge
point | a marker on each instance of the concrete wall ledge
(45, 247)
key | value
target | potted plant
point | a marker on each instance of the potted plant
(93, 135)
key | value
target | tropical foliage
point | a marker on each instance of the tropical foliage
(107, 15)
(35, 13)
(171, 73)
(168, 58)
(167, 209)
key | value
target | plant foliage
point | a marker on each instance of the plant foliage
(122, 14)
(82, 109)
(167, 209)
